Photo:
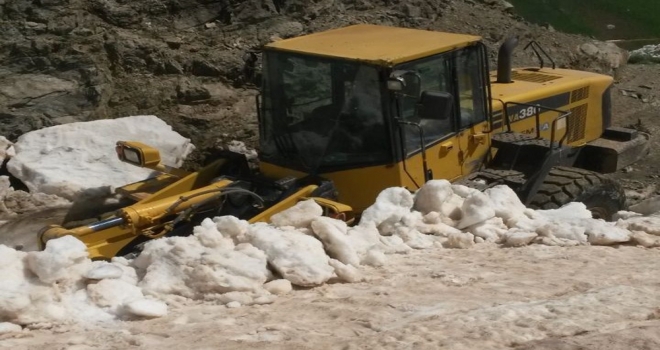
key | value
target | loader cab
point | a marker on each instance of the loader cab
(372, 107)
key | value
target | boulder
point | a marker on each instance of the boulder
(608, 55)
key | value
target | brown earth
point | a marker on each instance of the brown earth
(195, 63)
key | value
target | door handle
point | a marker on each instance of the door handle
(447, 146)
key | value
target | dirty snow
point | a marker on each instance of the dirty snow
(228, 261)
(14, 202)
(79, 158)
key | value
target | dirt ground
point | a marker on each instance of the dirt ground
(635, 100)
(536, 297)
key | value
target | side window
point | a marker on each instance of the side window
(434, 75)
(470, 87)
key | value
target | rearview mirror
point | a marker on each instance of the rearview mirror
(138, 154)
(435, 105)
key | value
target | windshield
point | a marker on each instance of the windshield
(321, 113)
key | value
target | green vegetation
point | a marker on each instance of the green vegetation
(632, 19)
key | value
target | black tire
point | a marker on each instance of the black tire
(601, 194)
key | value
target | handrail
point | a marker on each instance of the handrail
(536, 47)
(537, 114)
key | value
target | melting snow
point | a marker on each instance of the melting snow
(232, 262)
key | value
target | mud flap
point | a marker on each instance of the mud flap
(617, 149)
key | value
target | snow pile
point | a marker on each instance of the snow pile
(79, 158)
(61, 285)
(645, 54)
(232, 262)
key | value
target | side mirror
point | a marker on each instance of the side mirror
(405, 82)
(435, 105)
(138, 154)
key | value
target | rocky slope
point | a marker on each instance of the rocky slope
(195, 63)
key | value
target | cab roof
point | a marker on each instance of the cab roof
(380, 45)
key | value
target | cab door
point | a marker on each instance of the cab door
(473, 135)
(439, 129)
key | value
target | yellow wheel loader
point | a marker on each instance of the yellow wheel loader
(346, 113)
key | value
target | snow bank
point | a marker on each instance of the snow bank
(70, 159)
(50, 287)
(232, 262)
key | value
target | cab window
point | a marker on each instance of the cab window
(434, 74)
(470, 87)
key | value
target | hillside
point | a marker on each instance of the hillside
(195, 63)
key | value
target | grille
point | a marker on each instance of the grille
(576, 123)
(579, 94)
(533, 77)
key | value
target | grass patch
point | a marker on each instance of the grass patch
(633, 19)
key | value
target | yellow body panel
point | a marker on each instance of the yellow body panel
(359, 187)
(568, 90)
(380, 45)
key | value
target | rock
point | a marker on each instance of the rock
(204, 68)
(120, 15)
(609, 55)
(288, 29)
(507, 6)
(174, 42)
(210, 25)
(188, 92)
(412, 10)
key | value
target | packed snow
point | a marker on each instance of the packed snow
(232, 262)
(79, 158)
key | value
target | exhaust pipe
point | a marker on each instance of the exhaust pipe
(504, 60)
